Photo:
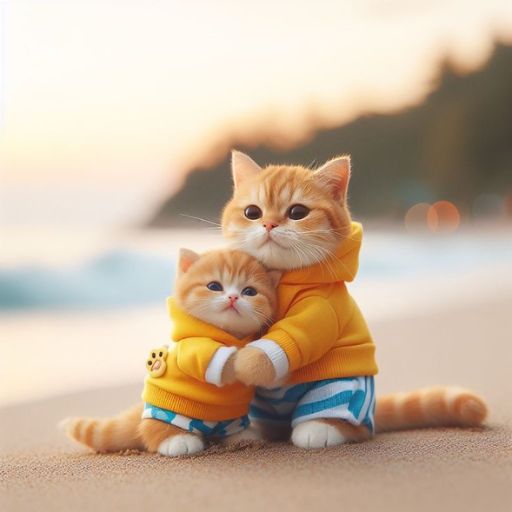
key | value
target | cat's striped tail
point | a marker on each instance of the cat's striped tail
(429, 407)
(107, 435)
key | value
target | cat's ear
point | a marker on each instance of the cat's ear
(243, 167)
(275, 277)
(185, 259)
(334, 176)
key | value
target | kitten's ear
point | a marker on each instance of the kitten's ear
(185, 259)
(275, 277)
(334, 176)
(243, 167)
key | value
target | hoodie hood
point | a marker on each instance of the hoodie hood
(188, 326)
(342, 267)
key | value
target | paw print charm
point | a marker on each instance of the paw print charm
(155, 364)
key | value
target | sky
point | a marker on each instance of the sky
(104, 105)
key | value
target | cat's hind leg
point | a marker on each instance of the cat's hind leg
(325, 433)
(334, 412)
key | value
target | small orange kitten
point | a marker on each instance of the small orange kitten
(297, 221)
(227, 295)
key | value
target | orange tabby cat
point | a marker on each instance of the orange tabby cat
(230, 291)
(289, 241)
(296, 220)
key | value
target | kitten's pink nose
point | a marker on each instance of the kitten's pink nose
(269, 225)
(232, 299)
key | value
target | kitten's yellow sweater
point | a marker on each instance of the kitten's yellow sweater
(321, 331)
(184, 388)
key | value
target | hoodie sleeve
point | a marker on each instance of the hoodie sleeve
(203, 358)
(307, 332)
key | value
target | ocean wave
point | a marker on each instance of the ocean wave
(120, 278)
(114, 279)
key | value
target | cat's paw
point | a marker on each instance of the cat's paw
(313, 434)
(253, 367)
(228, 372)
(181, 444)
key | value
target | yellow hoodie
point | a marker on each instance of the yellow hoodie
(188, 386)
(322, 332)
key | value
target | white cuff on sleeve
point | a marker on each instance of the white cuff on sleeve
(275, 353)
(213, 373)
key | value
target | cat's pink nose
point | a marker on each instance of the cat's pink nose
(232, 298)
(269, 225)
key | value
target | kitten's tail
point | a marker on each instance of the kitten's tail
(109, 434)
(429, 407)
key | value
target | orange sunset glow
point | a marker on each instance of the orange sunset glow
(118, 116)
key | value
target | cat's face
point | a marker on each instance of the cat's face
(228, 289)
(287, 217)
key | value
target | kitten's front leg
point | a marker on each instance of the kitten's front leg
(168, 440)
(254, 367)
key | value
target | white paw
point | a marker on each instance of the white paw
(316, 434)
(182, 444)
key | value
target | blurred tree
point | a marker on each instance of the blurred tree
(455, 146)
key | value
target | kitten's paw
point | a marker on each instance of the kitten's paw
(181, 444)
(313, 434)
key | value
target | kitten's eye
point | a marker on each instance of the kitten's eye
(298, 211)
(250, 291)
(214, 286)
(253, 212)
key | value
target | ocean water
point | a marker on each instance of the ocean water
(85, 312)
(114, 279)
(119, 276)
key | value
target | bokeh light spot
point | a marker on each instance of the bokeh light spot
(416, 217)
(443, 216)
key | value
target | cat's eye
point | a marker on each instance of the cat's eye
(214, 286)
(298, 211)
(253, 212)
(249, 291)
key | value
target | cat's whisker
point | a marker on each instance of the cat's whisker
(267, 320)
(319, 254)
(201, 219)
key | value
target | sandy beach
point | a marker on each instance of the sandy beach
(443, 469)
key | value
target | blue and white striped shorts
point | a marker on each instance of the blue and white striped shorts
(206, 428)
(351, 399)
